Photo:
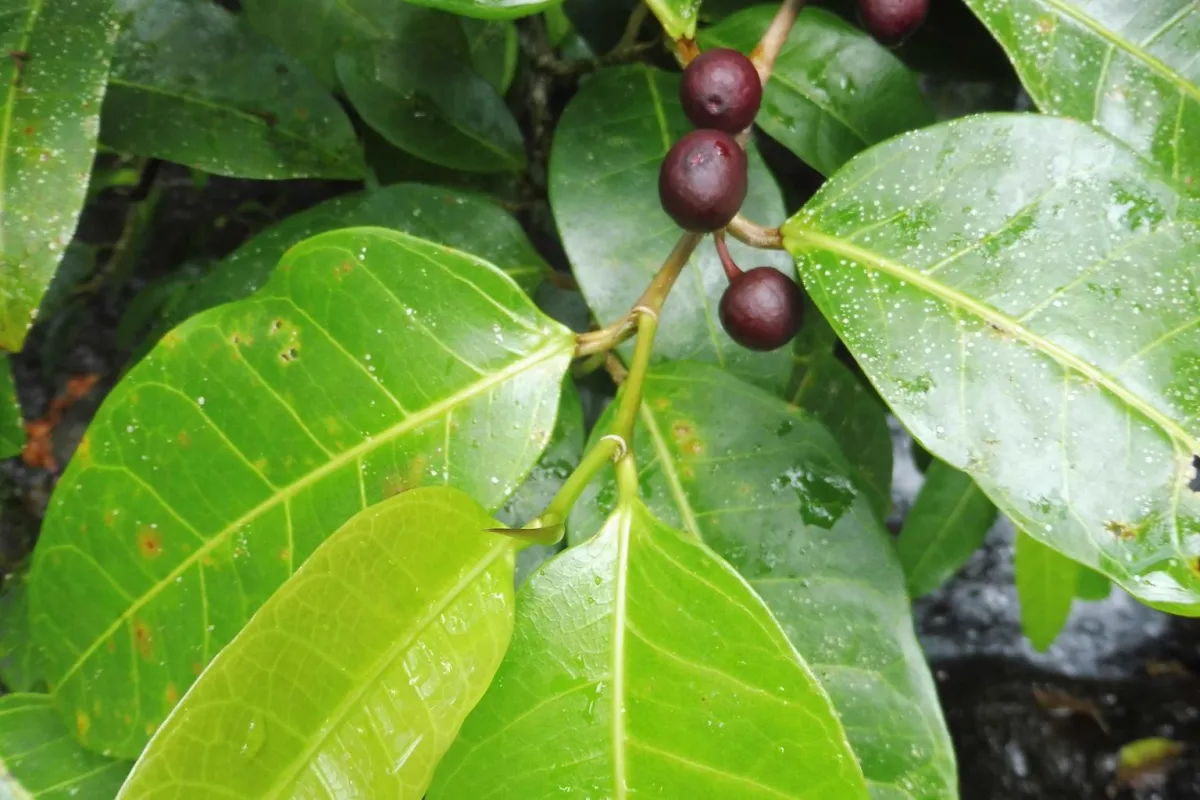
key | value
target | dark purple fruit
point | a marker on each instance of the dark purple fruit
(762, 309)
(891, 21)
(721, 90)
(702, 182)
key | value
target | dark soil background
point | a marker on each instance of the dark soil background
(1026, 725)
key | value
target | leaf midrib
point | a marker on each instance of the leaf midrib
(409, 423)
(1066, 359)
(10, 102)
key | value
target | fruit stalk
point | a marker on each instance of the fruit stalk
(750, 233)
(768, 48)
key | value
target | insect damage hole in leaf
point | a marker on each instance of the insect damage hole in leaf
(1194, 483)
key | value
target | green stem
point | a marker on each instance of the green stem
(600, 454)
(631, 393)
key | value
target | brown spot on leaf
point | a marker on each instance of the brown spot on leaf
(172, 694)
(184, 439)
(82, 724)
(110, 519)
(142, 639)
(111, 645)
(289, 355)
(197, 668)
(276, 324)
(344, 268)
(149, 542)
(681, 430)
(285, 555)
(662, 404)
(1121, 529)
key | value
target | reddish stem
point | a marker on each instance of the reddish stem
(732, 270)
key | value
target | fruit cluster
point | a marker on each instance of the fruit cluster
(891, 21)
(702, 185)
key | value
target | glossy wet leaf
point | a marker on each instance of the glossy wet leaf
(489, 9)
(371, 363)
(1046, 583)
(946, 525)
(22, 666)
(40, 759)
(433, 105)
(765, 486)
(678, 17)
(493, 50)
(12, 429)
(831, 392)
(1129, 67)
(353, 679)
(604, 194)
(192, 83)
(642, 664)
(51, 110)
(834, 91)
(1021, 291)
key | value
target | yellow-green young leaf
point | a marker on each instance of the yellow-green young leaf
(353, 679)
(192, 83)
(1130, 67)
(678, 17)
(765, 486)
(51, 111)
(604, 193)
(12, 428)
(39, 758)
(372, 362)
(1046, 584)
(1021, 291)
(834, 90)
(947, 523)
(643, 664)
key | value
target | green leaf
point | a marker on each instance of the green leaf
(47, 140)
(40, 759)
(831, 392)
(1091, 585)
(493, 49)
(678, 17)
(1130, 68)
(433, 105)
(22, 667)
(766, 487)
(946, 525)
(368, 658)
(371, 363)
(489, 9)
(191, 83)
(604, 193)
(834, 90)
(12, 427)
(1046, 582)
(1018, 289)
(456, 218)
(642, 663)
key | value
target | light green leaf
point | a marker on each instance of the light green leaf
(464, 220)
(22, 667)
(433, 105)
(1019, 290)
(1129, 67)
(678, 17)
(493, 49)
(489, 9)
(191, 83)
(947, 523)
(766, 487)
(1091, 585)
(51, 110)
(12, 427)
(1046, 582)
(604, 193)
(40, 759)
(353, 679)
(831, 392)
(834, 90)
(371, 363)
(643, 664)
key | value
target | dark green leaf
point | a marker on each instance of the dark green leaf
(678, 17)
(431, 104)
(489, 9)
(1129, 67)
(371, 363)
(22, 667)
(368, 658)
(51, 110)
(1020, 290)
(40, 759)
(766, 487)
(834, 90)
(643, 664)
(604, 192)
(460, 219)
(1046, 583)
(947, 523)
(493, 49)
(1091, 585)
(12, 428)
(830, 391)
(191, 83)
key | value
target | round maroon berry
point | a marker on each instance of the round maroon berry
(702, 182)
(762, 309)
(892, 21)
(721, 90)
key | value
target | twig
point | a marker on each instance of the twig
(772, 41)
(749, 232)
(628, 39)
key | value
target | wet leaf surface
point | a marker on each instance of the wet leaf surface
(371, 363)
(1046, 585)
(21, 664)
(353, 679)
(1020, 290)
(51, 111)
(834, 90)
(641, 663)
(678, 17)
(766, 487)
(192, 83)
